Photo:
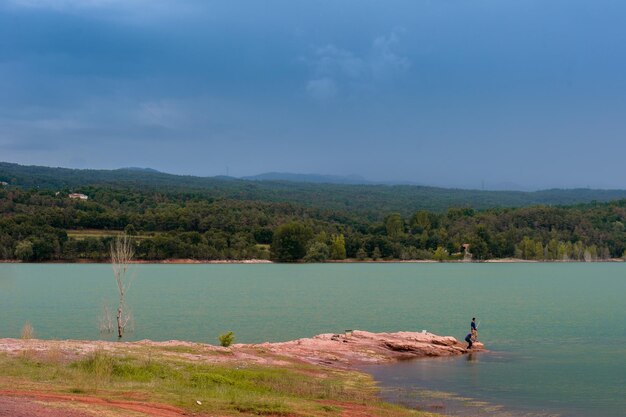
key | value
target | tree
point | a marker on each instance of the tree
(478, 247)
(539, 254)
(317, 252)
(526, 248)
(122, 253)
(420, 222)
(338, 247)
(130, 230)
(394, 225)
(361, 254)
(24, 251)
(553, 249)
(441, 254)
(290, 242)
(376, 253)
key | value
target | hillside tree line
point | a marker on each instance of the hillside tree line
(44, 225)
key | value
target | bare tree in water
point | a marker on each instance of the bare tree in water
(122, 253)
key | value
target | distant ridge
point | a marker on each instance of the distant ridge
(359, 180)
(310, 178)
(138, 169)
(374, 200)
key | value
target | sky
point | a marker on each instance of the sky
(464, 93)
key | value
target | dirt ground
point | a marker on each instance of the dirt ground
(43, 404)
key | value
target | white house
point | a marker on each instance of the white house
(78, 196)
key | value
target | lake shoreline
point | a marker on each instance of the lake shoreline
(315, 360)
(344, 261)
(346, 350)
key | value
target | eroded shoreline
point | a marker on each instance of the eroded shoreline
(346, 350)
(317, 376)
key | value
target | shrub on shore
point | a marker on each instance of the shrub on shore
(227, 339)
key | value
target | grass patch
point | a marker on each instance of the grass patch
(264, 408)
(224, 389)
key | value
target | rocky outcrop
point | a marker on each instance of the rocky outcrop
(360, 347)
(337, 350)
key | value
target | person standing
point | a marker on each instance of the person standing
(473, 330)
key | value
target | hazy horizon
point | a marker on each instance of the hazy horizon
(349, 179)
(478, 94)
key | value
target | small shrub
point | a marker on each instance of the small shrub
(227, 339)
(27, 331)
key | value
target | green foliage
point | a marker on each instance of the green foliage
(338, 247)
(290, 242)
(130, 230)
(24, 251)
(441, 254)
(238, 220)
(366, 200)
(227, 339)
(413, 253)
(317, 252)
(394, 225)
(208, 380)
(159, 376)
(420, 222)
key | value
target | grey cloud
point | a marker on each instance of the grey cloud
(335, 68)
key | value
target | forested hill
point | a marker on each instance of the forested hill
(374, 200)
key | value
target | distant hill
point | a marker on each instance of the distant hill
(139, 169)
(312, 178)
(373, 199)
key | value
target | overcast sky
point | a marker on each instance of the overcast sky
(441, 92)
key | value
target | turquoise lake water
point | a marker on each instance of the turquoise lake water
(556, 332)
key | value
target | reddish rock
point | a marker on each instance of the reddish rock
(360, 347)
(339, 350)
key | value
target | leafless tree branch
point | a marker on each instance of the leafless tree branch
(122, 253)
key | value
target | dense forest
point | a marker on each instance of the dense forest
(44, 224)
(371, 201)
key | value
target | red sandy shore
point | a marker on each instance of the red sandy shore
(342, 351)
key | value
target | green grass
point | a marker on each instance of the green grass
(227, 389)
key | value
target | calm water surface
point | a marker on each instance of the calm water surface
(557, 332)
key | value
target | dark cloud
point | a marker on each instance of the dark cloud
(441, 92)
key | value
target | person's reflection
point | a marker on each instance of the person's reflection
(472, 357)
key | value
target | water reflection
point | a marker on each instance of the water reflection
(456, 387)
